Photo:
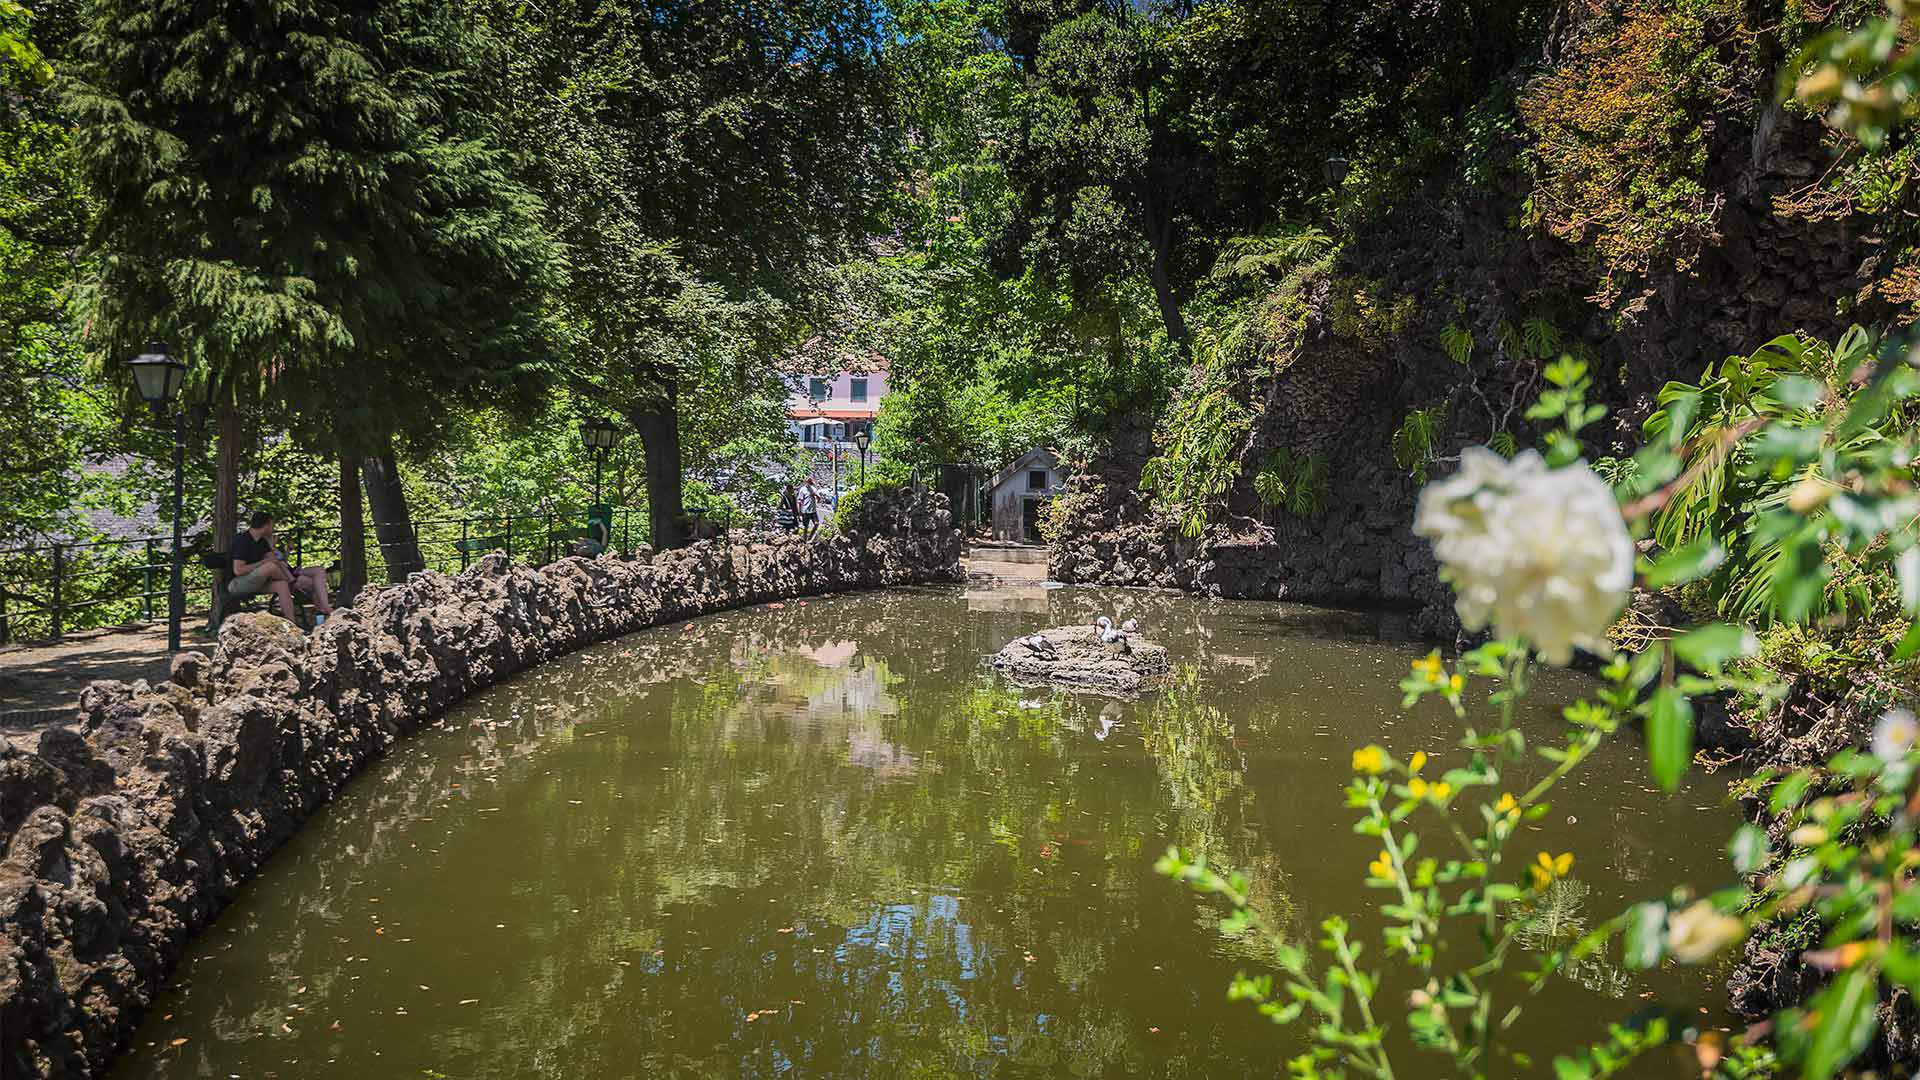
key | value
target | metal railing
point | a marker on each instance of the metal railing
(50, 590)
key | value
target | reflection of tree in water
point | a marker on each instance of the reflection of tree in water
(1199, 751)
(1556, 921)
(693, 827)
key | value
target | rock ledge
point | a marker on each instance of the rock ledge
(127, 831)
(1075, 656)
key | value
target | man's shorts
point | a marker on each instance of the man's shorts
(249, 583)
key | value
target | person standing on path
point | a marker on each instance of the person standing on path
(809, 509)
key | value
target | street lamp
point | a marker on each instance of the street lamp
(1335, 170)
(158, 376)
(599, 436)
(863, 439)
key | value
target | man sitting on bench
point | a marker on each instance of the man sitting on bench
(258, 567)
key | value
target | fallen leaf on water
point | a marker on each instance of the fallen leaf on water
(424, 986)
(335, 1026)
(469, 1001)
(1154, 1030)
(784, 930)
(178, 1042)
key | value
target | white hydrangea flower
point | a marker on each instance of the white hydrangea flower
(1533, 552)
(1894, 734)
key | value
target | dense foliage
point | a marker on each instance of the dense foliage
(1228, 251)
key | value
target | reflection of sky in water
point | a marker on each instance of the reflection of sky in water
(822, 841)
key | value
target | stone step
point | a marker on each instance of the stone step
(1008, 553)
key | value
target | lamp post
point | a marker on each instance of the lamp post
(159, 378)
(863, 439)
(599, 436)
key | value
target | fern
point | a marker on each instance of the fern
(1541, 338)
(1457, 342)
(1503, 443)
(1200, 454)
(1413, 442)
(1271, 253)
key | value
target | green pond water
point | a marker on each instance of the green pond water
(822, 840)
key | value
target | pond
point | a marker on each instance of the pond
(819, 839)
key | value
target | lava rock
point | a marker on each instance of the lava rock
(1075, 656)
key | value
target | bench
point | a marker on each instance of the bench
(561, 542)
(702, 525)
(226, 603)
(477, 546)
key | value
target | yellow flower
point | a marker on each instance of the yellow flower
(1440, 791)
(1455, 683)
(1507, 805)
(1419, 760)
(1547, 867)
(1381, 868)
(1428, 665)
(1417, 788)
(1370, 760)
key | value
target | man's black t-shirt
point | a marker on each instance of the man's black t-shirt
(248, 548)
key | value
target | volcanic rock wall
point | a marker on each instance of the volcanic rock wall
(129, 831)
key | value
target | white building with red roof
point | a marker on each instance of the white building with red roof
(831, 395)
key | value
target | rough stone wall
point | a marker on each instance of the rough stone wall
(1777, 258)
(1360, 553)
(128, 831)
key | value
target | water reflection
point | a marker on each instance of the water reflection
(822, 840)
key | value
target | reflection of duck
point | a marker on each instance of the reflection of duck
(1107, 721)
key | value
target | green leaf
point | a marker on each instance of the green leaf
(1748, 848)
(1909, 645)
(1846, 1021)
(1565, 1068)
(1707, 647)
(1906, 566)
(1646, 936)
(1669, 736)
(1690, 562)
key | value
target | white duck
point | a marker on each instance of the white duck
(1108, 635)
(1131, 626)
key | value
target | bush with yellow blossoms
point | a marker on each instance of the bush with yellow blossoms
(1541, 553)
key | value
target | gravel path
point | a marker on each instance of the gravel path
(39, 683)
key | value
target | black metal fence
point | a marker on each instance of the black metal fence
(51, 590)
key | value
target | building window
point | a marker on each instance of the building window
(859, 390)
(1037, 480)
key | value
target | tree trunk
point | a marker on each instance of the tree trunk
(1158, 231)
(353, 532)
(230, 439)
(392, 522)
(658, 423)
